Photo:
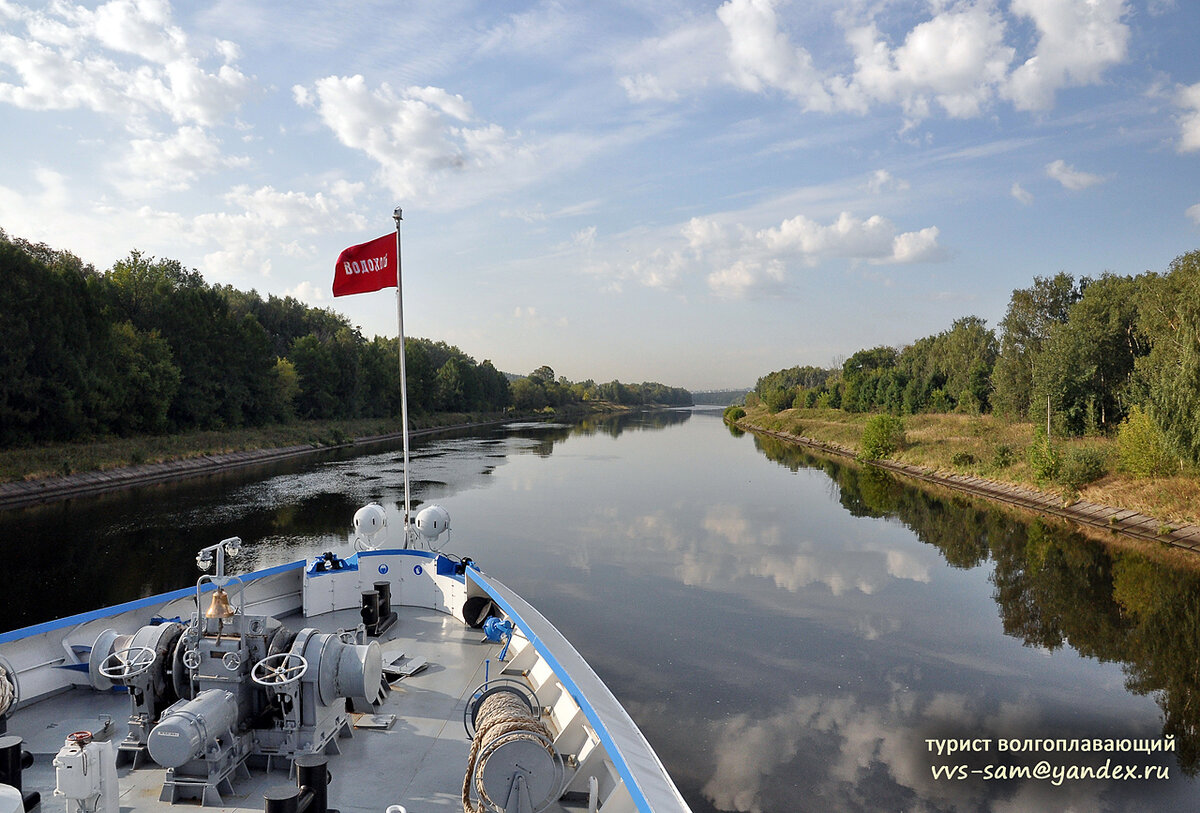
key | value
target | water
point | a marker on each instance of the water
(790, 632)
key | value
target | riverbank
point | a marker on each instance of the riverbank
(16, 493)
(985, 456)
(61, 471)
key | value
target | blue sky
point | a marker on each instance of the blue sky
(693, 193)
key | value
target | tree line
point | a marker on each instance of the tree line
(541, 390)
(1098, 355)
(148, 346)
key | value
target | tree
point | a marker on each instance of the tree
(862, 374)
(142, 382)
(450, 387)
(1087, 362)
(1168, 314)
(317, 374)
(1025, 328)
(55, 343)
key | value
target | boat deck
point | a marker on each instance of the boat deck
(418, 762)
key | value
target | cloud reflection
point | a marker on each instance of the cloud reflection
(727, 548)
(882, 747)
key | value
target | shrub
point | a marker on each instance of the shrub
(881, 437)
(1141, 447)
(939, 401)
(733, 413)
(1082, 465)
(777, 400)
(1043, 458)
(962, 459)
(1003, 456)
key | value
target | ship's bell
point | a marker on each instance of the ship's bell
(220, 607)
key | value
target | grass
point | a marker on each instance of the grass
(994, 448)
(103, 454)
(112, 453)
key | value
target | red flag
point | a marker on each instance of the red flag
(367, 267)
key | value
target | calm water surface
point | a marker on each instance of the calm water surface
(788, 631)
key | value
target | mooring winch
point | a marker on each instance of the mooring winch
(227, 686)
(513, 765)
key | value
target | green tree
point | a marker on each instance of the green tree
(528, 394)
(317, 374)
(142, 382)
(287, 387)
(1168, 314)
(1086, 364)
(1025, 329)
(450, 387)
(55, 343)
(862, 374)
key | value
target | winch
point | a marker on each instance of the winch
(228, 685)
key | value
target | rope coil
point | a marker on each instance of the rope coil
(504, 717)
(8, 691)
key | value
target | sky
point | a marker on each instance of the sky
(685, 192)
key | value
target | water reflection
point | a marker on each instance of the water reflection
(1054, 587)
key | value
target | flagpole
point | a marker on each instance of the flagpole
(398, 216)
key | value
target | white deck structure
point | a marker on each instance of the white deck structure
(420, 760)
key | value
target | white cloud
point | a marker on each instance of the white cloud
(874, 239)
(125, 59)
(306, 291)
(957, 59)
(845, 237)
(1193, 212)
(1070, 177)
(883, 181)
(585, 237)
(702, 233)
(1020, 194)
(687, 59)
(260, 223)
(172, 163)
(763, 57)
(737, 261)
(241, 240)
(1077, 42)
(421, 137)
(1189, 124)
(914, 247)
(960, 59)
(546, 26)
(745, 277)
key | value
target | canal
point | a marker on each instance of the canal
(791, 632)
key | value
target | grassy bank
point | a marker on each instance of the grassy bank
(57, 459)
(112, 453)
(998, 450)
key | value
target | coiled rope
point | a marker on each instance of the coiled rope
(8, 691)
(502, 714)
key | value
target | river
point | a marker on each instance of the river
(791, 632)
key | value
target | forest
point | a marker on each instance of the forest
(149, 347)
(1113, 354)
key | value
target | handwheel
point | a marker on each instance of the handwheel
(275, 671)
(128, 663)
